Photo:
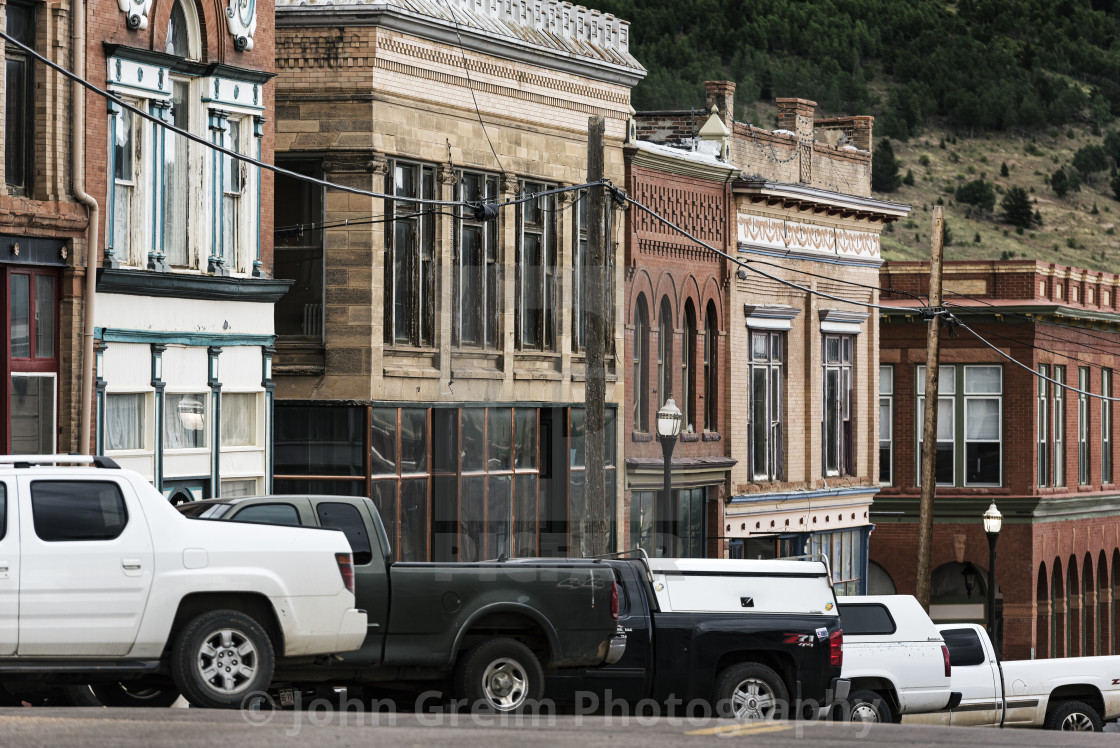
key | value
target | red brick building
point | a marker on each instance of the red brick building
(676, 342)
(1020, 434)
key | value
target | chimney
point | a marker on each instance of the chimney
(861, 132)
(721, 94)
(796, 115)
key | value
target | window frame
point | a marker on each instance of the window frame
(688, 369)
(1083, 427)
(641, 365)
(25, 90)
(491, 277)
(145, 421)
(771, 367)
(419, 316)
(886, 400)
(298, 255)
(544, 338)
(844, 436)
(1042, 448)
(711, 369)
(1058, 429)
(946, 373)
(665, 331)
(1106, 426)
(967, 398)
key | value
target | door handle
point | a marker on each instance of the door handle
(130, 564)
(4, 570)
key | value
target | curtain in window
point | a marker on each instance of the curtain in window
(239, 420)
(982, 422)
(124, 421)
(175, 176)
(184, 421)
(982, 380)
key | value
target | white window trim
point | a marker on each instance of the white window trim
(54, 377)
(258, 424)
(148, 418)
(887, 398)
(986, 396)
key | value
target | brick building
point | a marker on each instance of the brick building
(42, 238)
(183, 311)
(801, 366)
(676, 341)
(1043, 452)
(430, 360)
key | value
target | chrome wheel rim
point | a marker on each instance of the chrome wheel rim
(227, 661)
(1077, 722)
(753, 699)
(865, 712)
(505, 684)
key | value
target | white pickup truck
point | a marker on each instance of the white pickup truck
(895, 658)
(1073, 694)
(102, 580)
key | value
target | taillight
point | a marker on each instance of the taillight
(346, 569)
(836, 649)
(614, 600)
(948, 662)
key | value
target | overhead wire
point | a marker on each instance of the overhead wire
(213, 146)
(470, 87)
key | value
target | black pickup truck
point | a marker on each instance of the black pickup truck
(749, 639)
(487, 630)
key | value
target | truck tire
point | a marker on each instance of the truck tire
(501, 675)
(1074, 716)
(751, 691)
(123, 693)
(868, 706)
(220, 658)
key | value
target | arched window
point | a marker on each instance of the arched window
(711, 396)
(182, 32)
(1058, 612)
(1073, 612)
(688, 369)
(664, 352)
(641, 366)
(1044, 614)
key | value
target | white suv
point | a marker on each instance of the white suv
(101, 578)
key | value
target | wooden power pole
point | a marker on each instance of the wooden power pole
(595, 299)
(929, 425)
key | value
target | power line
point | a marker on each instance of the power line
(748, 266)
(470, 87)
(1021, 365)
(214, 146)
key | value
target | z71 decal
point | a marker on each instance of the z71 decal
(1116, 681)
(801, 640)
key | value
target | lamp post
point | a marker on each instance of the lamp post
(993, 520)
(668, 427)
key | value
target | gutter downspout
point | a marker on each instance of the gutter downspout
(78, 174)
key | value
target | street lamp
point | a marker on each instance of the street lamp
(993, 520)
(668, 427)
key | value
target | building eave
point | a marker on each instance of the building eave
(804, 197)
(443, 32)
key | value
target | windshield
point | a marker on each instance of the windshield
(199, 510)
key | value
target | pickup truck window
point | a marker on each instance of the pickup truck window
(860, 619)
(346, 518)
(3, 511)
(269, 514)
(77, 510)
(964, 647)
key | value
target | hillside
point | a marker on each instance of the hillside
(960, 88)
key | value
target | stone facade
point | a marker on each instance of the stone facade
(370, 97)
(1058, 553)
(803, 358)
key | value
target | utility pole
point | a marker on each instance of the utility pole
(929, 425)
(595, 299)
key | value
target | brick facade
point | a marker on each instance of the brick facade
(42, 231)
(1054, 537)
(800, 211)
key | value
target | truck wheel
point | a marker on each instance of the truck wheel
(751, 691)
(868, 706)
(502, 674)
(221, 657)
(124, 693)
(1074, 716)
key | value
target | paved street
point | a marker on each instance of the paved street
(181, 728)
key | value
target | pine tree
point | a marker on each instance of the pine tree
(1017, 210)
(1059, 183)
(884, 168)
(1003, 172)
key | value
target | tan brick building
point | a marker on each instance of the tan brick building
(42, 238)
(803, 362)
(1044, 453)
(426, 358)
